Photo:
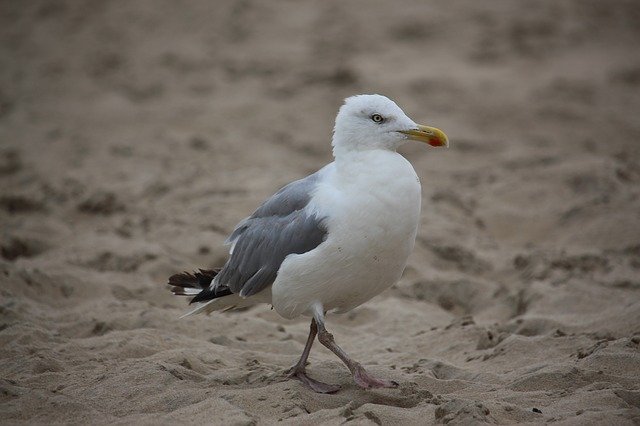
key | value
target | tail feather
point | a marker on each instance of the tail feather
(226, 303)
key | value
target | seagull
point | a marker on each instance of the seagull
(331, 241)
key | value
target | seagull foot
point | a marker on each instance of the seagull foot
(314, 384)
(365, 380)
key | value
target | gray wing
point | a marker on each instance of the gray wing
(279, 227)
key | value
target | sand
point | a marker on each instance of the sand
(134, 136)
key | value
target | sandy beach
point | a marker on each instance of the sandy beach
(135, 135)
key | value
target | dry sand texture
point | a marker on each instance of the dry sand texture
(135, 134)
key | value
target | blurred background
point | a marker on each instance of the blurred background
(134, 135)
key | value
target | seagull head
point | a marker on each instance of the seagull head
(375, 122)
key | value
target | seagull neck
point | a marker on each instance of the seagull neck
(354, 160)
(355, 147)
(344, 153)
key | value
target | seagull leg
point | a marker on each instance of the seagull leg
(361, 376)
(298, 371)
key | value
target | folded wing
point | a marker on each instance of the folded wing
(281, 226)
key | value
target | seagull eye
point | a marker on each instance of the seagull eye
(377, 118)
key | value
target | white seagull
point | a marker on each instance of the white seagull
(330, 241)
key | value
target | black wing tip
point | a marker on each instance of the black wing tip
(184, 279)
(210, 294)
(199, 279)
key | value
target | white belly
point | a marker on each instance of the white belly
(372, 219)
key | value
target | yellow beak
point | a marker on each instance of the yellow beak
(426, 134)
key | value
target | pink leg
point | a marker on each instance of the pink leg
(298, 371)
(361, 376)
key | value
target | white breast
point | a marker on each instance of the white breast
(372, 207)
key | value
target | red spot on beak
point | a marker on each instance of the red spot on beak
(435, 142)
